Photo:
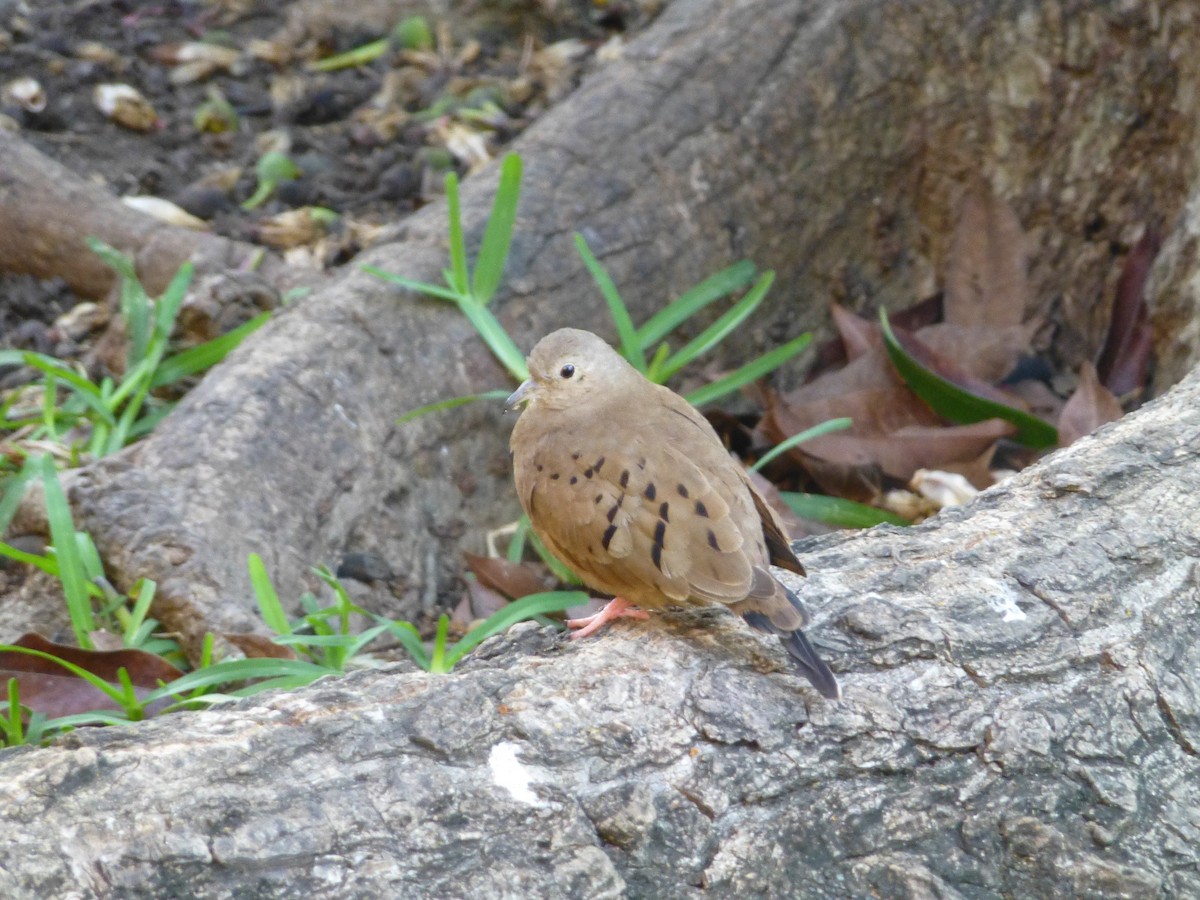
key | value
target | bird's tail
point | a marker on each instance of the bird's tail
(803, 655)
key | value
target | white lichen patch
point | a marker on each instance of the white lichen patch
(511, 774)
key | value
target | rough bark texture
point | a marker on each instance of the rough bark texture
(1022, 713)
(47, 212)
(1021, 718)
(825, 140)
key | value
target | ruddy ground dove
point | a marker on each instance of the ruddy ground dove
(629, 485)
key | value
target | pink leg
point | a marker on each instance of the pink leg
(617, 608)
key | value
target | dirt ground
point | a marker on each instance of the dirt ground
(225, 81)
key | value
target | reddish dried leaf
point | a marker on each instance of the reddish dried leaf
(831, 354)
(1091, 406)
(1125, 361)
(989, 353)
(513, 580)
(1038, 398)
(900, 453)
(985, 279)
(257, 646)
(47, 687)
(59, 695)
(859, 336)
(480, 602)
(145, 669)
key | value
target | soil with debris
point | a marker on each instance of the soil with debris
(180, 100)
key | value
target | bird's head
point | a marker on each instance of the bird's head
(567, 368)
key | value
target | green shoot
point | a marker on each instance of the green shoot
(806, 435)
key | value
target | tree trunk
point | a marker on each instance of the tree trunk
(825, 140)
(1021, 718)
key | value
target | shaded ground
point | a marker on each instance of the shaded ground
(372, 141)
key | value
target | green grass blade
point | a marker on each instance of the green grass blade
(497, 339)
(806, 435)
(631, 346)
(957, 405)
(553, 563)
(497, 237)
(47, 564)
(206, 355)
(452, 403)
(840, 512)
(234, 670)
(410, 640)
(517, 611)
(460, 279)
(11, 734)
(420, 287)
(87, 393)
(14, 490)
(50, 407)
(718, 330)
(691, 301)
(268, 600)
(167, 307)
(437, 660)
(141, 608)
(71, 571)
(148, 422)
(516, 544)
(751, 371)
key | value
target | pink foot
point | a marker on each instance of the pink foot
(617, 608)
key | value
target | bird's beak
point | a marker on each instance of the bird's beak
(517, 397)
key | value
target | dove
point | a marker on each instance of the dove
(626, 483)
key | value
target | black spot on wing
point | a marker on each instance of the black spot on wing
(608, 535)
(650, 491)
(663, 511)
(660, 533)
(701, 509)
(712, 540)
(683, 491)
(624, 482)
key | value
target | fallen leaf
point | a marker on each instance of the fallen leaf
(986, 280)
(46, 687)
(1091, 406)
(257, 646)
(512, 580)
(1125, 360)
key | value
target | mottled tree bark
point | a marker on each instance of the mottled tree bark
(1020, 719)
(826, 140)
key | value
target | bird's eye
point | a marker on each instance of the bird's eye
(567, 371)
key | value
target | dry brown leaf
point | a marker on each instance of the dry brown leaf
(47, 687)
(257, 646)
(512, 580)
(988, 352)
(985, 279)
(859, 336)
(1091, 406)
(900, 453)
(1124, 362)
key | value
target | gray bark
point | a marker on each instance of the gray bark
(825, 140)
(1021, 718)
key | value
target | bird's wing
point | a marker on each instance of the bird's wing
(639, 519)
